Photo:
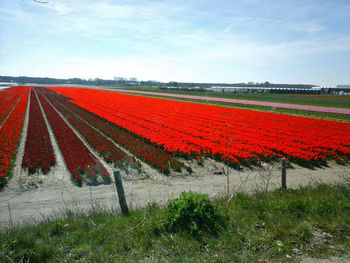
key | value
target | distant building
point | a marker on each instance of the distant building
(256, 89)
(343, 87)
(228, 89)
(8, 84)
(340, 89)
(174, 87)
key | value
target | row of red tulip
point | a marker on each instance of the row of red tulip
(10, 132)
(8, 99)
(110, 152)
(158, 158)
(231, 134)
(81, 163)
(38, 151)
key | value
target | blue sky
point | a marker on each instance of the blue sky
(281, 41)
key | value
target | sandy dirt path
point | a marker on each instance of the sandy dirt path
(54, 194)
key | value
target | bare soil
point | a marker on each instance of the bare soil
(39, 196)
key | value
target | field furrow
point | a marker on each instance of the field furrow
(8, 100)
(159, 159)
(105, 147)
(234, 135)
(81, 163)
(10, 132)
(38, 152)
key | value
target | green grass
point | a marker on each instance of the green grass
(262, 227)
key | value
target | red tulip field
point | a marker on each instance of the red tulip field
(234, 135)
(38, 148)
(13, 105)
(130, 130)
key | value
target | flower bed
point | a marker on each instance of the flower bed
(110, 152)
(10, 132)
(80, 162)
(156, 157)
(234, 135)
(38, 151)
(8, 100)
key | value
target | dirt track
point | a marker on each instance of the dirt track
(40, 196)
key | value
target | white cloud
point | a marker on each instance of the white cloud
(142, 68)
(162, 40)
(305, 27)
(59, 7)
(202, 63)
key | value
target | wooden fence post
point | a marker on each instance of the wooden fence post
(228, 182)
(121, 195)
(11, 222)
(284, 175)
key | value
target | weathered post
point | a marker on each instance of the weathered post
(228, 182)
(11, 222)
(284, 175)
(121, 195)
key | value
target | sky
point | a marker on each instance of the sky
(280, 41)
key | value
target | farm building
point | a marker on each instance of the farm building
(341, 89)
(278, 90)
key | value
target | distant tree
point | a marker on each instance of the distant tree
(266, 84)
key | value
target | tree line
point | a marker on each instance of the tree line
(128, 82)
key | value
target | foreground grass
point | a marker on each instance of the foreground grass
(273, 227)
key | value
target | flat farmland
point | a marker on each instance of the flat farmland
(232, 135)
(320, 103)
(328, 107)
(336, 101)
(60, 141)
